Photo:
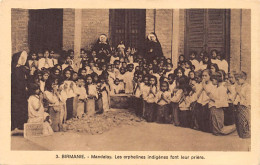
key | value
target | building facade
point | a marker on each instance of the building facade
(178, 30)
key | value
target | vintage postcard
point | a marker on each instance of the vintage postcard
(129, 82)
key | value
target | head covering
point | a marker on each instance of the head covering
(103, 35)
(152, 34)
(19, 59)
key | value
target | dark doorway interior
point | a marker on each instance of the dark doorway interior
(45, 29)
(127, 25)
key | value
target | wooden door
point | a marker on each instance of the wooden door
(207, 29)
(127, 25)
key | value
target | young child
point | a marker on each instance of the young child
(172, 83)
(150, 99)
(205, 63)
(229, 116)
(53, 99)
(104, 90)
(117, 87)
(187, 68)
(36, 112)
(45, 76)
(201, 110)
(213, 68)
(163, 101)
(138, 92)
(53, 59)
(68, 62)
(243, 109)
(185, 114)
(45, 62)
(194, 61)
(169, 69)
(80, 98)
(68, 87)
(129, 75)
(218, 100)
(223, 64)
(92, 95)
(33, 63)
(181, 59)
(214, 59)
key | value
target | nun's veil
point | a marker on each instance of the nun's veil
(98, 41)
(15, 59)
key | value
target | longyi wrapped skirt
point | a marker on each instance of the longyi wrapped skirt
(150, 111)
(243, 123)
(163, 114)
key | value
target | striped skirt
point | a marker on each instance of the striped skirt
(243, 123)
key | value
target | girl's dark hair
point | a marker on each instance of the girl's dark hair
(32, 88)
(177, 69)
(48, 84)
(31, 53)
(208, 71)
(164, 82)
(214, 65)
(183, 84)
(155, 78)
(216, 76)
(189, 63)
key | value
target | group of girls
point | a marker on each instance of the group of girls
(199, 93)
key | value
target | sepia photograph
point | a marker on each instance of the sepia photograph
(130, 79)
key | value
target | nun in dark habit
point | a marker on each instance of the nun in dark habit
(102, 48)
(19, 74)
(153, 48)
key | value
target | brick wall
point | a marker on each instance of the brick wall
(163, 29)
(240, 41)
(94, 23)
(19, 26)
(149, 21)
(68, 28)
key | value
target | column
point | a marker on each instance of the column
(77, 33)
(175, 36)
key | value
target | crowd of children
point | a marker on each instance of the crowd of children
(200, 93)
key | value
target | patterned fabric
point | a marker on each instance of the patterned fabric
(243, 123)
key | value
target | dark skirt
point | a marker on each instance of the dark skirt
(194, 113)
(163, 114)
(19, 113)
(217, 122)
(185, 118)
(99, 105)
(138, 106)
(175, 114)
(55, 119)
(243, 123)
(150, 111)
(229, 116)
(202, 116)
(69, 106)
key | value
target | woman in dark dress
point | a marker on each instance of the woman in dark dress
(19, 74)
(102, 48)
(153, 47)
